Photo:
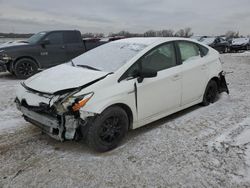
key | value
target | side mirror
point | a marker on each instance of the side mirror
(45, 42)
(146, 73)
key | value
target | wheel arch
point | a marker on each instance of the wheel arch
(216, 79)
(26, 57)
(128, 111)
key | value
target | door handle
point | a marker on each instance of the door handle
(203, 67)
(176, 77)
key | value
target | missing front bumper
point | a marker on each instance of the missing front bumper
(59, 127)
(51, 126)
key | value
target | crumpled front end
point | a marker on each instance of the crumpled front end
(3, 66)
(46, 112)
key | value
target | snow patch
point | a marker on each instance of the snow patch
(11, 125)
(244, 54)
(238, 136)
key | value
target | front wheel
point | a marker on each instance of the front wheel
(108, 129)
(211, 93)
(24, 68)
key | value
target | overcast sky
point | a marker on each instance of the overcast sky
(205, 17)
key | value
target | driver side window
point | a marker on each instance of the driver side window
(162, 57)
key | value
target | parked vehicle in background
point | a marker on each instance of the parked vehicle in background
(196, 37)
(119, 86)
(240, 44)
(42, 50)
(91, 43)
(218, 43)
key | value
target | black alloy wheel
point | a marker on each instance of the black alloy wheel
(24, 68)
(108, 129)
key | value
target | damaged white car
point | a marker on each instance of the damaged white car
(121, 85)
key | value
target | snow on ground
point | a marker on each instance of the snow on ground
(197, 147)
(243, 54)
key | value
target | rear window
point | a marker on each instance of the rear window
(71, 37)
(55, 38)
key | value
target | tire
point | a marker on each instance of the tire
(24, 68)
(108, 129)
(211, 93)
(10, 68)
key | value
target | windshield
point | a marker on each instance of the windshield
(207, 40)
(35, 38)
(109, 57)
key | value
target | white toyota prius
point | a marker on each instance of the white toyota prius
(121, 85)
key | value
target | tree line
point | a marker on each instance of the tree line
(186, 32)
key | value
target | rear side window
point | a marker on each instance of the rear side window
(188, 51)
(71, 37)
(55, 38)
(203, 50)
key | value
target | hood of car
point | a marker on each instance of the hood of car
(12, 44)
(62, 77)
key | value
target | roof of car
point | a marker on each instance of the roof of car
(150, 40)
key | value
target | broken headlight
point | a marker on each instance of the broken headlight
(74, 103)
(4, 57)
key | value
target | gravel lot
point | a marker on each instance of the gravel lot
(198, 147)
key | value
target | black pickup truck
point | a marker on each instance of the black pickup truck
(42, 50)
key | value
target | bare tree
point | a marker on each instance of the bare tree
(150, 33)
(186, 32)
(125, 34)
(92, 35)
(99, 35)
(165, 33)
(87, 35)
(232, 34)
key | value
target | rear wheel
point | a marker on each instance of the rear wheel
(108, 129)
(211, 93)
(25, 68)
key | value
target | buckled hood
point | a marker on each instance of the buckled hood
(62, 77)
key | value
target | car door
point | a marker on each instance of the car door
(54, 52)
(194, 71)
(160, 94)
(74, 44)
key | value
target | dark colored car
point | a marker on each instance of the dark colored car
(218, 43)
(42, 50)
(240, 44)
